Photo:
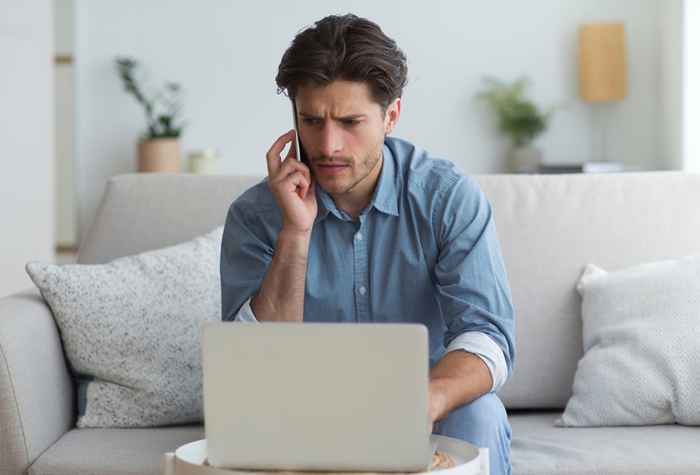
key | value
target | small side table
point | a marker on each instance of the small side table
(189, 460)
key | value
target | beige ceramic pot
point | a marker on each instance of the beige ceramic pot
(159, 155)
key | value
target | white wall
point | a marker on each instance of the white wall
(26, 139)
(226, 55)
(670, 123)
(691, 90)
(66, 207)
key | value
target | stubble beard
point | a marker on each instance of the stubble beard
(370, 163)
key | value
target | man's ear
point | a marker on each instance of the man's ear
(393, 111)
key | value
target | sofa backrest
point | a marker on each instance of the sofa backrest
(549, 227)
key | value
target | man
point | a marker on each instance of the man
(371, 229)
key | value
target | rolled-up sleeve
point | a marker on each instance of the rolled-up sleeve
(245, 257)
(245, 314)
(471, 280)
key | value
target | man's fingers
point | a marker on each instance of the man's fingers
(290, 166)
(273, 154)
(292, 152)
(296, 180)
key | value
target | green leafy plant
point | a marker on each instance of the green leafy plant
(518, 117)
(161, 107)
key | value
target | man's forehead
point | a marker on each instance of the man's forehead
(340, 97)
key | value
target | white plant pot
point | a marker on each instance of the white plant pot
(204, 162)
(525, 159)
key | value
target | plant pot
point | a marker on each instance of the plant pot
(204, 162)
(524, 159)
(159, 155)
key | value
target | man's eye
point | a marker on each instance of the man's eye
(347, 122)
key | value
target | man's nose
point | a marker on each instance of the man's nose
(331, 140)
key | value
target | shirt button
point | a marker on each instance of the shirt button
(358, 236)
(362, 290)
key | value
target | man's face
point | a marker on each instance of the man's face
(342, 130)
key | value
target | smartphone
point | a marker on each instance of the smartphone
(301, 155)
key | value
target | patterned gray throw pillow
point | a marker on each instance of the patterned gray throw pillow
(131, 329)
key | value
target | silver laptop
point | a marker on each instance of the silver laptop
(316, 396)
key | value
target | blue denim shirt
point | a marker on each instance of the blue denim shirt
(425, 250)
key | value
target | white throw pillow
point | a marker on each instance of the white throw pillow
(131, 329)
(641, 341)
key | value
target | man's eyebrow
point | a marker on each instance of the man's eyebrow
(347, 117)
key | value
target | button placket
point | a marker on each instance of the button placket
(361, 272)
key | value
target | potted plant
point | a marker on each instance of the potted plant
(159, 147)
(518, 118)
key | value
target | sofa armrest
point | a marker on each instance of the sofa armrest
(36, 392)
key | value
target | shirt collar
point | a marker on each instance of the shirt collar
(325, 204)
(385, 196)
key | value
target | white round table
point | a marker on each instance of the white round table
(189, 459)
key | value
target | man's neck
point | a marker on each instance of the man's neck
(357, 199)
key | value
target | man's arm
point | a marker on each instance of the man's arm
(458, 378)
(452, 378)
(475, 299)
(263, 268)
(281, 295)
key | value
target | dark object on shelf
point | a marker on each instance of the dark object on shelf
(584, 167)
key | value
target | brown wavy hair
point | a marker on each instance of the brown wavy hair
(344, 47)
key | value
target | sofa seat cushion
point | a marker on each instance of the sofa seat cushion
(539, 448)
(113, 451)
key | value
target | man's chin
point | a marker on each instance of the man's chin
(334, 187)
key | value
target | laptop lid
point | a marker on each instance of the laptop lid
(316, 396)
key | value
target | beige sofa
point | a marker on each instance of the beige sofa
(549, 226)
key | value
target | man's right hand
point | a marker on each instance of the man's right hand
(292, 186)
